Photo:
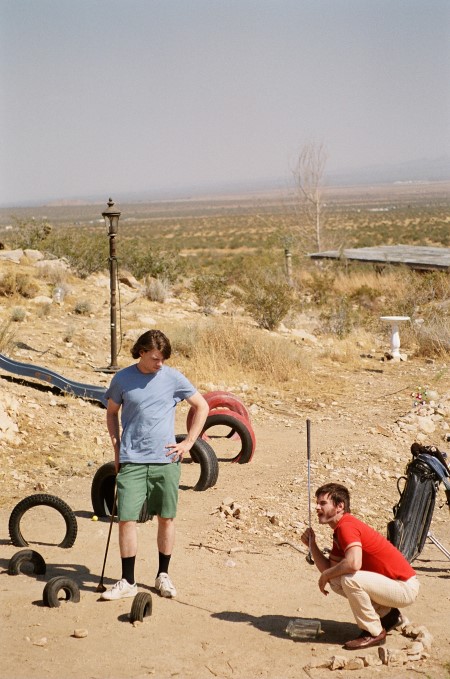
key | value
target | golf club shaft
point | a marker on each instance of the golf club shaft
(308, 454)
(100, 586)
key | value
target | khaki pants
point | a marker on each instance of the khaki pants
(371, 596)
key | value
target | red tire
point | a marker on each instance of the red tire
(236, 423)
(221, 399)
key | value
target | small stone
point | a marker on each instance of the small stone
(371, 660)
(338, 662)
(40, 642)
(426, 639)
(227, 502)
(416, 647)
(355, 664)
(80, 633)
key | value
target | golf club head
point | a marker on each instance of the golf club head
(309, 558)
(101, 587)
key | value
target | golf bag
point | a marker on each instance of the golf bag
(413, 512)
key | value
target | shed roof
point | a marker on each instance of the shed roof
(415, 256)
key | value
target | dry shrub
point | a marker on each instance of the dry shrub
(156, 289)
(226, 351)
(6, 336)
(342, 351)
(21, 284)
(432, 337)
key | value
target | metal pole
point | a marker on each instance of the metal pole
(113, 283)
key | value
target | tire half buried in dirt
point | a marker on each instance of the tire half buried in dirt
(26, 556)
(54, 587)
(102, 492)
(141, 607)
(49, 501)
(204, 454)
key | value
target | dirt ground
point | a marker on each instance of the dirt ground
(238, 584)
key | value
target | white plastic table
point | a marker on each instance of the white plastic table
(395, 335)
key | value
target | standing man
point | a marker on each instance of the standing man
(147, 458)
(363, 566)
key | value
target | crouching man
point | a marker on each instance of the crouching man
(363, 566)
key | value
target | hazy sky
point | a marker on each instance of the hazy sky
(112, 96)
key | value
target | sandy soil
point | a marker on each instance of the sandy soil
(237, 585)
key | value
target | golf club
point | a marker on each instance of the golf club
(101, 587)
(309, 558)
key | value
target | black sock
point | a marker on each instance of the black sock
(128, 569)
(164, 560)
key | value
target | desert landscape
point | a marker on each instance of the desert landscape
(240, 575)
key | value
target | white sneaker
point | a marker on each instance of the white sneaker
(165, 586)
(121, 590)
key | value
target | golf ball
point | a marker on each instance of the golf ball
(94, 518)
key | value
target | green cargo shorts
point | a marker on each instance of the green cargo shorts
(158, 483)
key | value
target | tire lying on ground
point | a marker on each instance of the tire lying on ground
(238, 424)
(202, 453)
(102, 492)
(141, 607)
(26, 556)
(49, 501)
(55, 586)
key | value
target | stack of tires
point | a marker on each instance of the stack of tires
(228, 422)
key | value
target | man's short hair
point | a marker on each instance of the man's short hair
(152, 339)
(337, 494)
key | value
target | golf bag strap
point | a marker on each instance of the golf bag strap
(437, 467)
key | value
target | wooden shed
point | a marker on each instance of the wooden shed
(422, 258)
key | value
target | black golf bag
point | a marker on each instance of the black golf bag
(414, 510)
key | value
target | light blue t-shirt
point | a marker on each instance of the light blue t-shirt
(148, 411)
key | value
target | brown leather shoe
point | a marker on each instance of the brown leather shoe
(365, 640)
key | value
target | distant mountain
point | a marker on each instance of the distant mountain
(423, 170)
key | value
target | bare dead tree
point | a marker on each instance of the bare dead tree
(308, 176)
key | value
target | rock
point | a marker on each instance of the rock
(426, 639)
(318, 663)
(392, 657)
(416, 647)
(371, 660)
(338, 662)
(40, 642)
(41, 299)
(426, 425)
(227, 502)
(80, 633)
(131, 281)
(355, 664)
(11, 255)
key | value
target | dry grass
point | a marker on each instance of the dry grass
(223, 349)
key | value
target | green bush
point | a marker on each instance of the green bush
(86, 253)
(210, 289)
(29, 234)
(266, 299)
(143, 261)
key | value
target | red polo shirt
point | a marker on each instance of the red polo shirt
(378, 554)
